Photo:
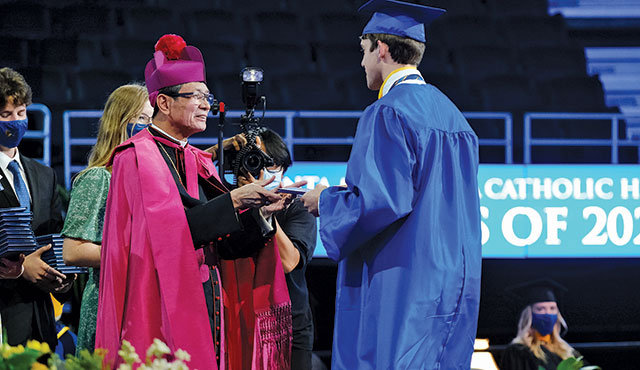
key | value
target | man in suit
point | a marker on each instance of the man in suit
(25, 304)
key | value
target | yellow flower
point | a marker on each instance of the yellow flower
(40, 347)
(8, 351)
(38, 366)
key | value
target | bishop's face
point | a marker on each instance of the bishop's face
(371, 64)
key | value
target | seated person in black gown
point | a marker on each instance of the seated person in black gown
(538, 343)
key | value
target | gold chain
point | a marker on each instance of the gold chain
(172, 163)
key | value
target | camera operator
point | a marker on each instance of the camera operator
(169, 225)
(296, 240)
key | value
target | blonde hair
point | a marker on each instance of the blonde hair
(123, 106)
(526, 335)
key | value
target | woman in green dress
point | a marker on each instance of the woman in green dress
(126, 112)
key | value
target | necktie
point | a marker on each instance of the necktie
(20, 186)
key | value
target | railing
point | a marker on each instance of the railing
(43, 134)
(614, 141)
(289, 138)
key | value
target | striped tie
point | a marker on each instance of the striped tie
(20, 186)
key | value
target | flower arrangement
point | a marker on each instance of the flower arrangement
(38, 356)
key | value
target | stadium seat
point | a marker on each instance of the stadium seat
(132, 56)
(526, 31)
(436, 60)
(458, 31)
(507, 93)
(312, 91)
(281, 27)
(143, 23)
(546, 63)
(574, 94)
(93, 87)
(524, 8)
(14, 52)
(337, 28)
(82, 19)
(477, 63)
(339, 59)
(24, 19)
(279, 58)
(215, 24)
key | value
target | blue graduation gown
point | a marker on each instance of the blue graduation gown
(406, 233)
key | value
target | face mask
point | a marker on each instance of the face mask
(276, 182)
(134, 128)
(11, 132)
(543, 322)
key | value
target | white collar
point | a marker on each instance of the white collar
(395, 76)
(183, 143)
(5, 160)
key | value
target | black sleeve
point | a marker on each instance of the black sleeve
(518, 357)
(246, 242)
(55, 220)
(301, 228)
(212, 220)
(235, 235)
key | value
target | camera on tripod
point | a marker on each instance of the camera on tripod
(250, 158)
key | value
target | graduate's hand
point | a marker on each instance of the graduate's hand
(11, 269)
(253, 195)
(39, 273)
(311, 198)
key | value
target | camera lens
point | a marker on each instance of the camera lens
(252, 162)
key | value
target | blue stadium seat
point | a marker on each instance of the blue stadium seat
(339, 59)
(457, 31)
(13, 52)
(150, 23)
(477, 63)
(280, 27)
(280, 58)
(338, 28)
(524, 8)
(312, 91)
(574, 94)
(24, 19)
(82, 19)
(222, 57)
(507, 93)
(93, 87)
(215, 24)
(546, 63)
(527, 31)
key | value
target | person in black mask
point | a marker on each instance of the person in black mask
(538, 343)
(25, 304)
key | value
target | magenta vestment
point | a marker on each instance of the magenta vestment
(151, 275)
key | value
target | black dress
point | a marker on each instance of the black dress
(519, 357)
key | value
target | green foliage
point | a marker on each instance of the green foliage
(85, 361)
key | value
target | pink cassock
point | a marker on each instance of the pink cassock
(151, 276)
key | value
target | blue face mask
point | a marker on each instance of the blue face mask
(134, 128)
(276, 182)
(543, 322)
(11, 132)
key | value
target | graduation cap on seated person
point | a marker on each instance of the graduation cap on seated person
(399, 18)
(539, 290)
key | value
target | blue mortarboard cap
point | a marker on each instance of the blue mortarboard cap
(399, 18)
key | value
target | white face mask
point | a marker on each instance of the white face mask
(276, 182)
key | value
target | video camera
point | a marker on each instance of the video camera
(250, 158)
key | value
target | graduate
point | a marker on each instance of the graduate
(406, 228)
(538, 344)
